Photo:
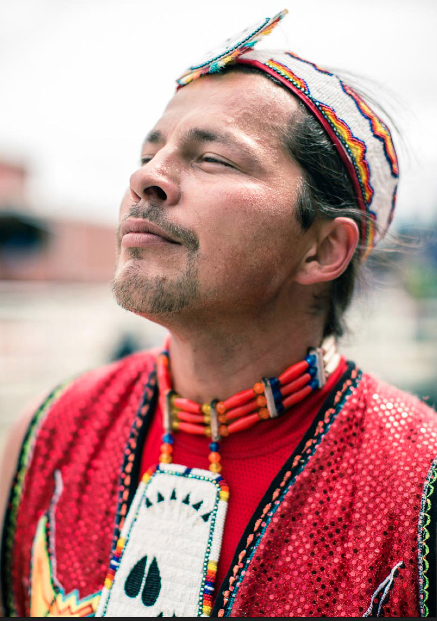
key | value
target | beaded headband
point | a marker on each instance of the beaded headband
(362, 139)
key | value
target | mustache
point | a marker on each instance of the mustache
(155, 215)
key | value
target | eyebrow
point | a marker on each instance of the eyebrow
(197, 134)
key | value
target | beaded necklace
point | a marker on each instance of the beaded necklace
(176, 520)
(270, 398)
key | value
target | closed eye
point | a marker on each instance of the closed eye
(213, 160)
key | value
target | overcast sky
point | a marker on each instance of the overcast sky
(82, 81)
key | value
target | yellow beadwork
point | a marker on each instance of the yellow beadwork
(165, 458)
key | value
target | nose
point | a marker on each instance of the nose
(158, 179)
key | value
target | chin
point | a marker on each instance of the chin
(154, 296)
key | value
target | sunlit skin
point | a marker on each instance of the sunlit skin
(216, 177)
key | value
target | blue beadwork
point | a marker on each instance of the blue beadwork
(274, 383)
(312, 371)
(277, 396)
(311, 359)
(168, 438)
(214, 446)
(314, 384)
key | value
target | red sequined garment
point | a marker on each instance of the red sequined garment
(335, 535)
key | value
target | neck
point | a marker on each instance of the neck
(223, 359)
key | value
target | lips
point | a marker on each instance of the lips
(139, 233)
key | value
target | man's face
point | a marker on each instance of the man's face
(217, 181)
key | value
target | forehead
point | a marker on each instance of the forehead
(248, 103)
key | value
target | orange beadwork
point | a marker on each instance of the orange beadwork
(214, 457)
(261, 401)
(263, 413)
(223, 431)
(220, 407)
(165, 459)
(258, 388)
(166, 448)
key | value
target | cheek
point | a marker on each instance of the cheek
(250, 236)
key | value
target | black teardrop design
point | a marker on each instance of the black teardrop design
(206, 516)
(197, 505)
(186, 500)
(173, 495)
(160, 497)
(148, 503)
(134, 580)
(152, 587)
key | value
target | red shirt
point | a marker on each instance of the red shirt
(251, 459)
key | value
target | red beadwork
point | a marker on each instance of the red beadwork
(241, 411)
(239, 399)
(293, 372)
(243, 423)
(296, 385)
(187, 405)
(193, 428)
(188, 417)
(297, 396)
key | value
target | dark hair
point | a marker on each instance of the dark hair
(327, 192)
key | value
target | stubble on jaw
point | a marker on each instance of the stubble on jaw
(156, 296)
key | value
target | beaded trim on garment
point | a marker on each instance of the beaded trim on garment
(427, 541)
(17, 491)
(227, 597)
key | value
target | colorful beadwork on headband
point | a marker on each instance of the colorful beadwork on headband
(267, 399)
(215, 60)
(362, 139)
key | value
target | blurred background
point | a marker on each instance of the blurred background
(81, 83)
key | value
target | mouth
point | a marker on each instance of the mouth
(139, 233)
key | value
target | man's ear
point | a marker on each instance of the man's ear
(330, 252)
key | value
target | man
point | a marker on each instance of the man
(261, 189)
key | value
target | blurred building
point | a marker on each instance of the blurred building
(36, 248)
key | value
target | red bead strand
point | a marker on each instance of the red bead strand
(296, 397)
(187, 405)
(192, 428)
(239, 399)
(293, 372)
(240, 411)
(296, 385)
(244, 423)
(237, 413)
(189, 417)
